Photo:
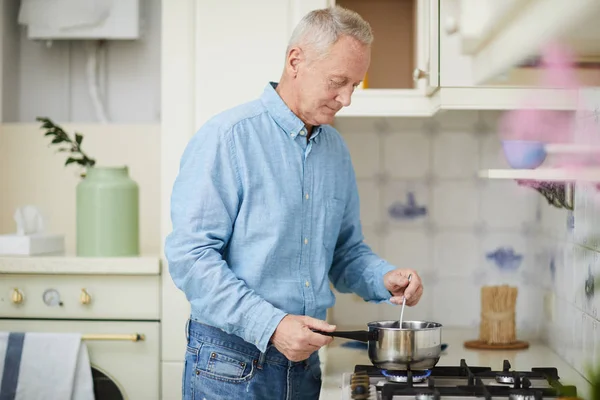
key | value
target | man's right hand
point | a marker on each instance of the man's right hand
(295, 339)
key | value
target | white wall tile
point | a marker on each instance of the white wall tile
(455, 154)
(505, 205)
(492, 155)
(457, 302)
(455, 204)
(373, 239)
(364, 150)
(407, 154)
(506, 258)
(370, 203)
(456, 254)
(399, 211)
(409, 249)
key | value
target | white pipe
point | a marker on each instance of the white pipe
(92, 79)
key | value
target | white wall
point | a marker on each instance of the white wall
(466, 218)
(51, 81)
(32, 172)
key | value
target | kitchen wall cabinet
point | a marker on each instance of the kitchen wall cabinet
(458, 70)
(404, 71)
(498, 37)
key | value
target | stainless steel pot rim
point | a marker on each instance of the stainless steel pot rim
(393, 325)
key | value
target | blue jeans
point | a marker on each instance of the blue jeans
(219, 366)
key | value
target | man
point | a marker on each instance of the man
(265, 213)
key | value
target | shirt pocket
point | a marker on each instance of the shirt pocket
(224, 364)
(334, 213)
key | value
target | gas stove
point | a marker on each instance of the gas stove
(454, 382)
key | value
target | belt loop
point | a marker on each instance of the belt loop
(187, 330)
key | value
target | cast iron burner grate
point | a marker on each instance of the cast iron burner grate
(517, 384)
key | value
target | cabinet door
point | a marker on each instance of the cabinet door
(428, 23)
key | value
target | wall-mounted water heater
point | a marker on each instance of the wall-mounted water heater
(81, 19)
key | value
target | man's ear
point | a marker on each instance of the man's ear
(294, 60)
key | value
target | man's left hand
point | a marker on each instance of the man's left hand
(396, 282)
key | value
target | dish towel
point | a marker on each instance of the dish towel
(44, 366)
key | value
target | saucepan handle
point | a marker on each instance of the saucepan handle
(361, 336)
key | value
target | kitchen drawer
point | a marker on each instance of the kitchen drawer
(80, 296)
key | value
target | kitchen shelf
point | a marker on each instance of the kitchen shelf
(572, 149)
(544, 174)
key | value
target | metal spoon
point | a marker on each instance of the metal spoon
(404, 303)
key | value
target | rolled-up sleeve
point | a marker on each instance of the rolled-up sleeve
(355, 267)
(205, 201)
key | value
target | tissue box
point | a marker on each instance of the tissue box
(29, 245)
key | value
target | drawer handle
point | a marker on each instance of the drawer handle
(17, 296)
(85, 297)
(135, 337)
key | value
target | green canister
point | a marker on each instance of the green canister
(107, 213)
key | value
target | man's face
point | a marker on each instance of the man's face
(326, 85)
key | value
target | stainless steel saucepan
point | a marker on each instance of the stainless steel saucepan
(416, 345)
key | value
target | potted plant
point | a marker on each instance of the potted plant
(107, 210)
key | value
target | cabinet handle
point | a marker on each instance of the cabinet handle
(419, 74)
(135, 337)
(17, 296)
(84, 297)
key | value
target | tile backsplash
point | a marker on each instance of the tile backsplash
(424, 207)
(568, 251)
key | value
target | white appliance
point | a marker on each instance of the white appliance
(117, 314)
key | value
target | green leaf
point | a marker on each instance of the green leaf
(57, 140)
(78, 138)
(71, 160)
(49, 133)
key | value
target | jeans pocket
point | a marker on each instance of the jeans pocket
(224, 364)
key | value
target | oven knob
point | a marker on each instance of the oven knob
(85, 298)
(17, 296)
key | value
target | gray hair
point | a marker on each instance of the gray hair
(320, 29)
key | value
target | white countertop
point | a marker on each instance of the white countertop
(338, 360)
(143, 265)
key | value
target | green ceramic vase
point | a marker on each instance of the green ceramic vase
(107, 213)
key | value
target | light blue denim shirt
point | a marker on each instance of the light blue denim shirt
(263, 220)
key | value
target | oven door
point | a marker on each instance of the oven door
(123, 368)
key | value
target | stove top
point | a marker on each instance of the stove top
(454, 382)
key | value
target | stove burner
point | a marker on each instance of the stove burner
(402, 376)
(428, 395)
(505, 377)
(524, 395)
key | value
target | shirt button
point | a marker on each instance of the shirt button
(306, 196)
(306, 284)
(302, 132)
(305, 240)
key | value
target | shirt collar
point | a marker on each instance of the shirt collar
(283, 116)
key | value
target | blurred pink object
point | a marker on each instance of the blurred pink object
(532, 124)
